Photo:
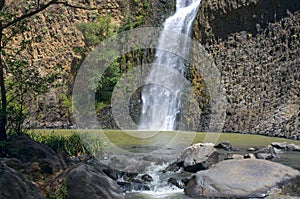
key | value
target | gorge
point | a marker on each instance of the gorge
(257, 54)
(254, 44)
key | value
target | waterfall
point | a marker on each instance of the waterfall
(161, 106)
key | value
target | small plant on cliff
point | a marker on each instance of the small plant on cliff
(95, 32)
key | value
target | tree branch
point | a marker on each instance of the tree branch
(30, 14)
(44, 7)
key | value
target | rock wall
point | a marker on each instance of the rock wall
(255, 45)
(55, 40)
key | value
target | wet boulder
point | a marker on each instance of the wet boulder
(16, 186)
(266, 153)
(293, 147)
(146, 178)
(240, 179)
(132, 186)
(176, 182)
(279, 145)
(198, 157)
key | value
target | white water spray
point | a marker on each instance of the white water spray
(161, 107)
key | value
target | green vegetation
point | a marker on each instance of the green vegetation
(60, 193)
(20, 80)
(70, 143)
(95, 32)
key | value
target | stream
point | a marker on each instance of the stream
(144, 157)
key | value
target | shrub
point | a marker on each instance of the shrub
(71, 145)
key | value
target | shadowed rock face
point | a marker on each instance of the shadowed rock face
(84, 181)
(255, 46)
(30, 152)
(16, 186)
(240, 178)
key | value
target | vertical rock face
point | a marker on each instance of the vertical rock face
(55, 43)
(255, 46)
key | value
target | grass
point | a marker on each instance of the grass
(69, 142)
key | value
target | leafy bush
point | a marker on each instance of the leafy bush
(72, 145)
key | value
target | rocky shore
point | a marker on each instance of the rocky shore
(31, 170)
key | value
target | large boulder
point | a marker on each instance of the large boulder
(240, 179)
(33, 153)
(16, 186)
(84, 181)
(198, 157)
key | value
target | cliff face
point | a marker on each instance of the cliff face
(55, 40)
(255, 45)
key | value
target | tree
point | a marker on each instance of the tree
(12, 21)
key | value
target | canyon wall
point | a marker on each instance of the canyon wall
(255, 45)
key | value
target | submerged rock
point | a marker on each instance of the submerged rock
(198, 157)
(239, 179)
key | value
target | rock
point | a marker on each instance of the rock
(132, 186)
(279, 145)
(16, 186)
(266, 153)
(146, 178)
(234, 156)
(239, 179)
(13, 163)
(173, 167)
(175, 182)
(293, 147)
(249, 155)
(252, 149)
(198, 157)
(32, 152)
(224, 145)
(113, 173)
(264, 156)
(84, 181)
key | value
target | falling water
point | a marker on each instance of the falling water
(161, 106)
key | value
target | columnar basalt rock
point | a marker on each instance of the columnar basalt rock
(255, 47)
